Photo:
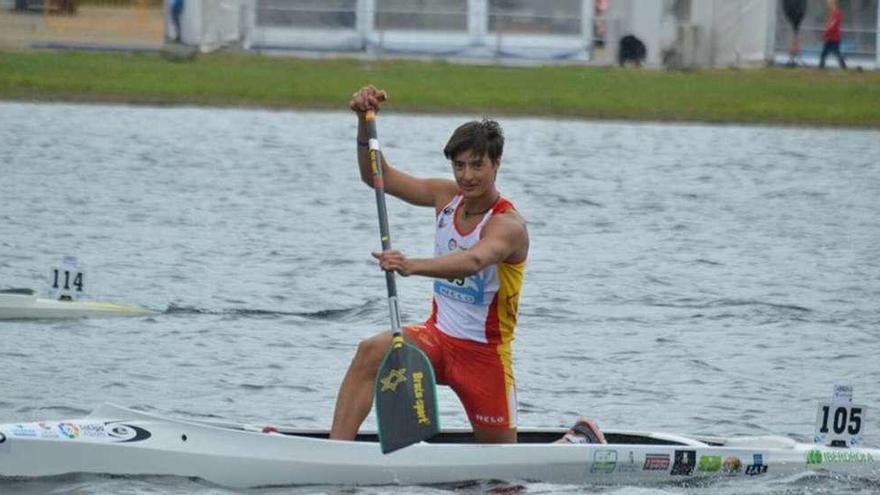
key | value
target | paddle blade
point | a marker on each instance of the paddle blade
(406, 397)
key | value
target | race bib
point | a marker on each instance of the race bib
(67, 281)
(469, 290)
(839, 422)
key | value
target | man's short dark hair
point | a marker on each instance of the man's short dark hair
(483, 138)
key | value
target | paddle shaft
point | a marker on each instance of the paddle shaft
(384, 234)
(405, 390)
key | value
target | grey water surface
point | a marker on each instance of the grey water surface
(687, 278)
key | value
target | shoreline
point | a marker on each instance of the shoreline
(771, 96)
(411, 111)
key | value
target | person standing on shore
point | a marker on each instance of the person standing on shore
(176, 13)
(831, 35)
(794, 11)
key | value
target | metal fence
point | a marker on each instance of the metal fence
(421, 15)
(558, 17)
(545, 29)
(306, 13)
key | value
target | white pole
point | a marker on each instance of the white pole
(248, 22)
(192, 25)
(877, 44)
(365, 12)
(587, 26)
(478, 21)
(770, 41)
(713, 34)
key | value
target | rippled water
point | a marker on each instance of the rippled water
(702, 279)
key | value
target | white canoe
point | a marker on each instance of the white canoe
(19, 306)
(119, 441)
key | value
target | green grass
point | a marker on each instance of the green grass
(771, 96)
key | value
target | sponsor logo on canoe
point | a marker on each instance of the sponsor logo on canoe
(685, 461)
(69, 430)
(709, 463)
(656, 462)
(119, 432)
(731, 465)
(419, 393)
(47, 430)
(757, 467)
(816, 456)
(93, 430)
(24, 431)
(604, 461)
(394, 378)
(629, 465)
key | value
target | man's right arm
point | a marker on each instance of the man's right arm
(413, 190)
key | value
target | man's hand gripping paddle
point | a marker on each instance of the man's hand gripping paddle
(405, 390)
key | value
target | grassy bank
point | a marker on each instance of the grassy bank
(774, 96)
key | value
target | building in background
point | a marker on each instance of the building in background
(674, 33)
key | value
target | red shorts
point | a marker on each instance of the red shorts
(480, 374)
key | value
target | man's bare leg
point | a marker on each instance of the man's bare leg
(495, 435)
(355, 398)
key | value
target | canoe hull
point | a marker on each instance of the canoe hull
(26, 307)
(119, 441)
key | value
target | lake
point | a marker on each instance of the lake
(687, 278)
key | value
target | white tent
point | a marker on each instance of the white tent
(209, 24)
(734, 33)
(713, 33)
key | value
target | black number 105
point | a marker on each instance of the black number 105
(77, 280)
(841, 423)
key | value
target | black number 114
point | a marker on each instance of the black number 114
(77, 280)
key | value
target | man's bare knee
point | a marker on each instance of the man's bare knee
(371, 351)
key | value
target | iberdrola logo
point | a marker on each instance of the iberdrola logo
(814, 456)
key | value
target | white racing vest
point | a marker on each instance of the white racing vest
(483, 306)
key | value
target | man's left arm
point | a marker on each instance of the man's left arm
(502, 238)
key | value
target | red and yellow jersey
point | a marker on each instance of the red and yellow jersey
(482, 307)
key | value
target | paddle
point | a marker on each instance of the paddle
(405, 390)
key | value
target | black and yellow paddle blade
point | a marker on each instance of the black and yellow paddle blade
(406, 397)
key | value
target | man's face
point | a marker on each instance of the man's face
(474, 174)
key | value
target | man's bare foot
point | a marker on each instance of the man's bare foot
(584, 431)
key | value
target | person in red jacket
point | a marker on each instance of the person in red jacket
(831, 35)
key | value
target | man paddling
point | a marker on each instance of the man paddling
(481, 245)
